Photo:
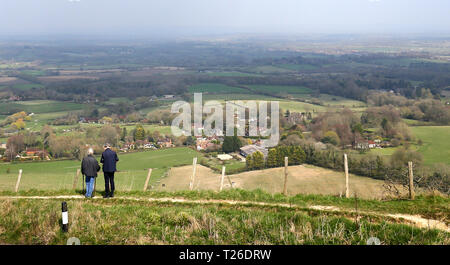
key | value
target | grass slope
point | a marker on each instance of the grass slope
(55, 175)
(304, 179)
(436, 144)
(115, 221)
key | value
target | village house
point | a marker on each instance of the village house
(295, 118)
(88, 120)
(165, 143)
(168, 96)
(250, 149)
(33, 154)
(204, 143)
(367, 144)
(143, 144)
(127, 146)
(36, 152)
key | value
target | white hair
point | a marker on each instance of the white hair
(90, 151)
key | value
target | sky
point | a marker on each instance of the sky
(196, 17)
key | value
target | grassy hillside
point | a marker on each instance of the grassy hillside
(216, 89)
(144, 221)
(435, 147)
(132, 168)
(40, 106)
(304, 179)
(280, 89)
(436, 143)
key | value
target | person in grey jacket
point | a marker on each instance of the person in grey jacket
(89, 168)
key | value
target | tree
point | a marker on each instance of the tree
(249, 161)
(402, 156)
(258, 160)
(237, 144)
(45, 133)
(272, 157)
(19, 124)
(14, 146)
(331, 137)
(109, 134)
(297, 155)
(230, 144)
(123, 135)
(190, 140)
(139, 133)
(358, 128)
(292, 139)
(106, 120)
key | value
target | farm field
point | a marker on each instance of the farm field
(331, 100)
(216, 88)
(298, 67)
(27, 86)
(55, 175)
(163, 129)
(269, 69)
(232, 96)
(232, 73)
(280, 89)
(304, 179)
(436, 143)
(39, 106)
(297, 106)
(435, 147)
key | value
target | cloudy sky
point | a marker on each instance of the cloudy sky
(141, 17)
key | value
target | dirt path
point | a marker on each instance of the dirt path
(415, 220)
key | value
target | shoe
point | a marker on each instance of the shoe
(111, 195)
(106, 195)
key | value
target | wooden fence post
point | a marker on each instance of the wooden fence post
(148, 179)
(221, 180)
(411, 181)
(194, 168)
(286, 163)
(18, 180)
(75, 180)
(347, 188)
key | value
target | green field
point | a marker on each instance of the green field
(34, 72)
(298, 67)
(113, 101)
(27, 86)
(436, 143)
(269, 69)
(330, 100)
(216, 88)
(39, 106)
(297, 106)
(435, 147)
(54, 175)
(232, 73)
(278, 90)
(230, 97)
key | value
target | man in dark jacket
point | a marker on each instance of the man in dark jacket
(89, 168)
(109, 160)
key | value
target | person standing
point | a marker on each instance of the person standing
(109, 160)
(89, 168)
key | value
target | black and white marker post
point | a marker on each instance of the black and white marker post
(65, 217)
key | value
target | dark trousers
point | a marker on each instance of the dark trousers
(109, 182)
